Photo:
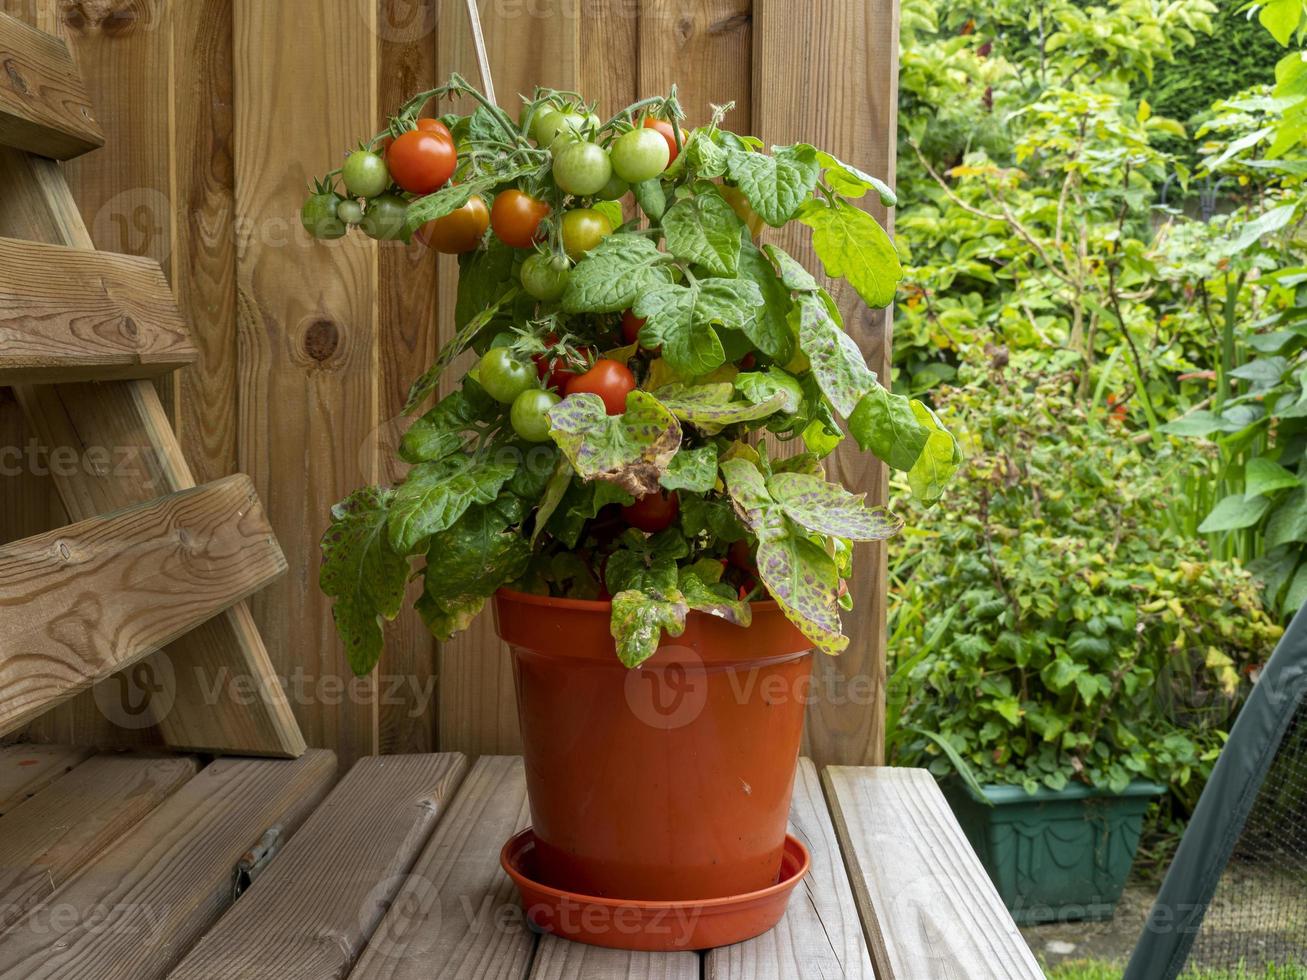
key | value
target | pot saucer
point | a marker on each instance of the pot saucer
(651, 926)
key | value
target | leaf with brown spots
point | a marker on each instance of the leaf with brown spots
(827, 508)
(632, 450)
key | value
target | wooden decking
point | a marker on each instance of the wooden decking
(131, 867)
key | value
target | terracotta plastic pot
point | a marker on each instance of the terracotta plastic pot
(664, 783)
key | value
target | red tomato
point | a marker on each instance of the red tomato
(516, 218)
(654, 511)
(426, 126)
(609, 380)
(669, 134)
(631, 325)
(422, 162)
(459, 231)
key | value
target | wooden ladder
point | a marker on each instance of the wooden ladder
(139, 579)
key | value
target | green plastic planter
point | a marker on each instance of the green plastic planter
(1057, 855)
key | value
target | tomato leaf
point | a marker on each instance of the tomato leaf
(363, 573)
(435, 495)
(779, 184)
(769, 328)
(804, 580)
(827, 508)
(638, 622)
(885, 424)
(440, 432)
(467, 562)
(846, 179)
(852, 245)
(614, 273)
(711, 407)
(792, 273)
(426, 384)
(723, 604)
(651, 197)
(631, 450)
(560, 481)
(763, 386)
(692, 469)
(704, 230)
(680, 319)
(837, 362)
(449, 199)
(754, 505)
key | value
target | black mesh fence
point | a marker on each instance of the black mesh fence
(1258, 914)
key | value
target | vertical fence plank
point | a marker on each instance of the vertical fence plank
(204, 240)
(408, 300)
(528, 44)
(305, 88)
(828, 74)
(704, 46)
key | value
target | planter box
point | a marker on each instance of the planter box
(1055, 856)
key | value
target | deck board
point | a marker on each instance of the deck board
(44, 108)
(558, 959)
(27, 769)
(320, 900)
(132, 913)
(46, 839)
(820, 936)
(457, 915)
(930, 908)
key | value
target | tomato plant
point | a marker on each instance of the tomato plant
(459, 231)
(516, 216)
(610, 380)
(568, 464)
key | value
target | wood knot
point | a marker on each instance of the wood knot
(321, 340)
(16, 77)
(65, 552)
(130, 329)
(728, 25)
(684, 29)
(119, 23)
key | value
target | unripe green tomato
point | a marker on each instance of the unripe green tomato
(583, 229)
(581, 168)
(365, 174)
(545, 276)
(350, 212)
(503, 375)
(530, 414)
(640, 155)
(320, 216)
(386, 218)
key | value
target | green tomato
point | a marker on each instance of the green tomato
(350, 212)
(614, 190)
(583, 229)
(640, 155)
(581, 168)
(545, 276)
(386, 218)
(552, 125)
(503, 375)
(321, 219)
(530, 414)
(365, 174)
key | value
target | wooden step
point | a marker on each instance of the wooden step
(134, 911)
(337, 877)
(226, 654)
(47, 838)
(85, 601)
(925, 898)
(70, 314)
(44, 108)
(25, 770)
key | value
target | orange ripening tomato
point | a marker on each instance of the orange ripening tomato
(669, 134)
(421, 161)
(459, 231)
(515, 218)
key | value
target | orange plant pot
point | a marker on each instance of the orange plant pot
(669, 782)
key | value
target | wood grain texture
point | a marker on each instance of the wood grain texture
(128, 453)
(133, 912)
(407, 334)
(25, 770)
(44, 107)
(820, 935)
(75, 315)
(829, 76)
(311, 913)
(558, 959)
(703, 47)
(478, 706)
(46, 839)
(927, 903)
(457, 915)
(85, 601)
(307, 323)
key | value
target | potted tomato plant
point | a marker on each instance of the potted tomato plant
(661, 571)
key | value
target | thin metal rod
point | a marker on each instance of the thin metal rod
(483, 59)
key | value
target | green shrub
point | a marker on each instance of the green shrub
(1085, 637)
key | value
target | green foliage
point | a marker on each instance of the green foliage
(1088, 639)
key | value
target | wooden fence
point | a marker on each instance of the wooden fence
(218, 112)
